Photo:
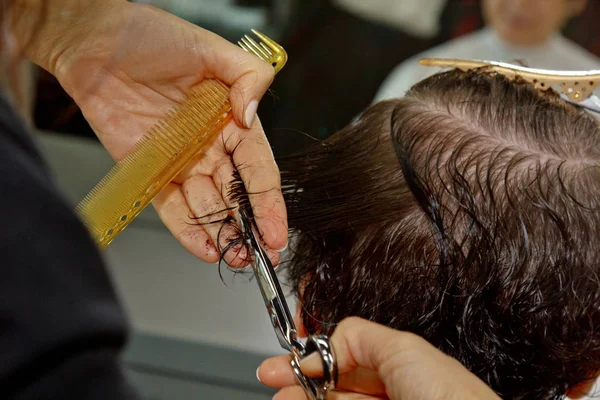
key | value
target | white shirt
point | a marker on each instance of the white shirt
(557, 53)
(418, 17)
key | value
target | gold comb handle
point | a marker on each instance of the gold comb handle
(158, 157)
(577, 86)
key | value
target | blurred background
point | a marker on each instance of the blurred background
(339, 57)
(195, 335)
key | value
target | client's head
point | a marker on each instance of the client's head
(466, 212)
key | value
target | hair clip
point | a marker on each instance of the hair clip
(576, 87)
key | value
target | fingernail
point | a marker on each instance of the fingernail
(251, 113)
(258, 377)
(281, 250)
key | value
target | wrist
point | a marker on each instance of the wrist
(44, 30)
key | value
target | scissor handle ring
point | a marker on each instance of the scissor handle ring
(317, 388)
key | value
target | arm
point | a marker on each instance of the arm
(61, 326)
(45, 29)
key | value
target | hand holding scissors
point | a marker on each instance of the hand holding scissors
(283, 323)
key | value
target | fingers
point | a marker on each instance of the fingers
(209, 202)
(361, 348)
(222, 177)
(361, 343)
(297, 393)
(254, 160)
(276, 372)
(405, 362)
(175, 213)
(248, 76)
(207, 180)
(210, 210)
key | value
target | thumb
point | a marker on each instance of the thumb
(408, 365)
(248, 90)
(357, 343)
(248, 76)
(361, 343)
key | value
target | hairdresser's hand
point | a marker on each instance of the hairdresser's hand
(376, 362)
(126, 65)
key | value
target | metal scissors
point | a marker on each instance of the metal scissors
(283, 323)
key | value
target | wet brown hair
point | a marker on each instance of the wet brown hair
(467, 213)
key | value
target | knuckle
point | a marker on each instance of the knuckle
(266, 70)
(407, 340)
(351, 323)
(190, 235)
(406, 346)
(221, 166)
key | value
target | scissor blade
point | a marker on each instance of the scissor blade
(277, 308)
(280, 315)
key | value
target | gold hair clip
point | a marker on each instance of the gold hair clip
(576, 87)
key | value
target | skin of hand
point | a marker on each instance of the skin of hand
(126, 65)
(377, 362)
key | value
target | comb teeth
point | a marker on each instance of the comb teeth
(155, 161)
(248, 44)
(267, 49)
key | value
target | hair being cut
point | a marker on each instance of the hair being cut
(467, 213)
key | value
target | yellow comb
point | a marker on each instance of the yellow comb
(186, 131)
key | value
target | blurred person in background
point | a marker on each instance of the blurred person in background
(516, 30)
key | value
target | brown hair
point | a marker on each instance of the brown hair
(465, 212)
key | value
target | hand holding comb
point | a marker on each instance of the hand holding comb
(159, 157)
(186, 131)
